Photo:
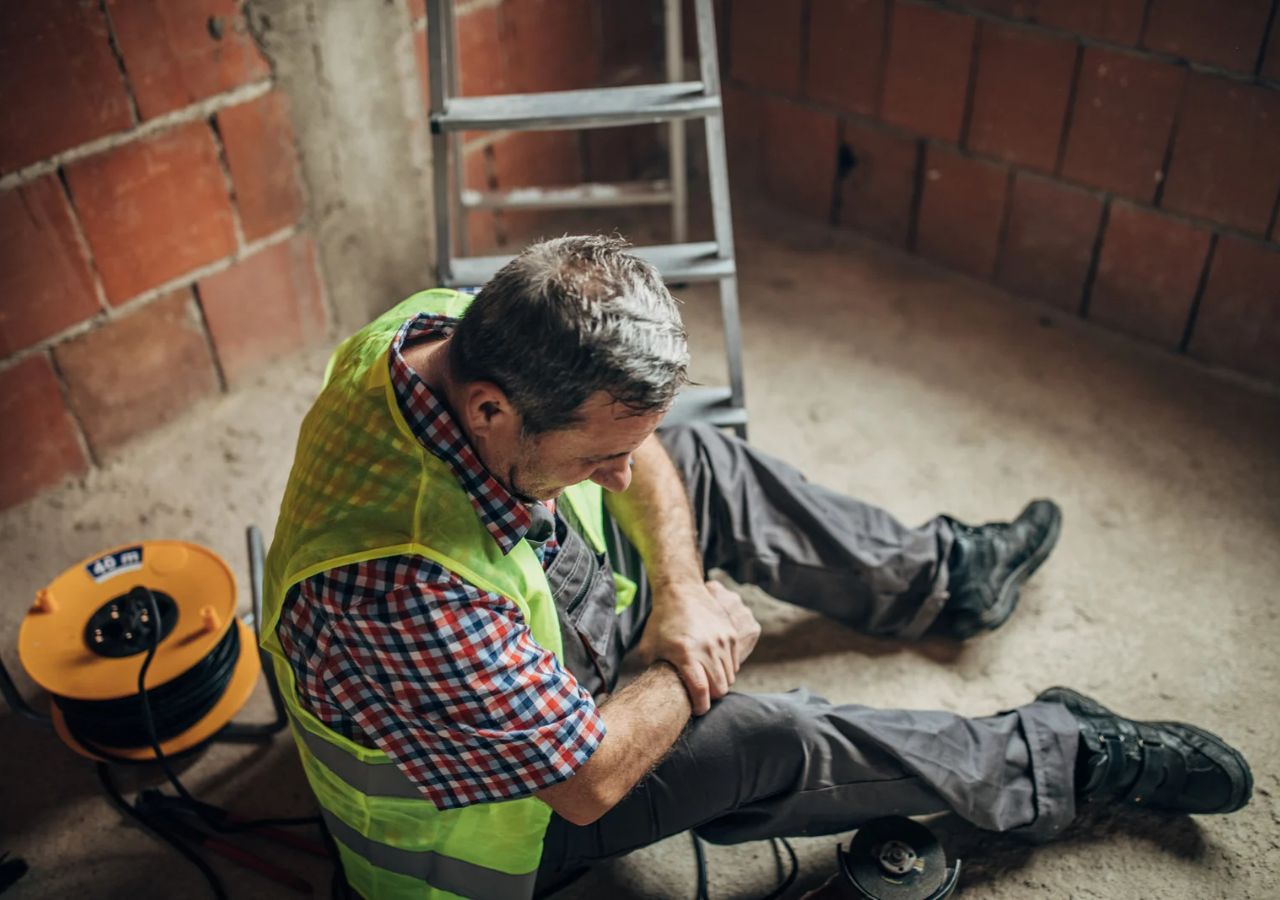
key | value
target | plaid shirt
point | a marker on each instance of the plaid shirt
(400, 654)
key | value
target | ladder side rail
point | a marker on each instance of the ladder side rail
(717, 162)
(677, 149)
(439, 56)
(456, 149)
(721, 213)
(709, 68)
(733, 343)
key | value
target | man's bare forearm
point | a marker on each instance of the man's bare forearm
(655, 516)
(642, 721)
(700, 627)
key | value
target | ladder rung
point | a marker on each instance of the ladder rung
(676, 262)
(590, 108)
(581, 196)
(706, 404)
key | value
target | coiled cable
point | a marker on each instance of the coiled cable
(166, 710)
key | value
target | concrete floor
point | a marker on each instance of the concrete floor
(878, 375)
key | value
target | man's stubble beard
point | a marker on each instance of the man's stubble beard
(525, 493)
(513, 487)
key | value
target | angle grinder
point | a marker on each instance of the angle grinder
(891, 858)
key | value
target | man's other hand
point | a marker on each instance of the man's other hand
(706, 632)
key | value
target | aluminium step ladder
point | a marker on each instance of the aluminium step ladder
(673, 102)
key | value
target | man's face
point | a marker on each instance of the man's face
(598, 449)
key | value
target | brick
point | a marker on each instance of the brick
(59, 80)
(631, 34)
(1049, 240)
(1148, 271)
(137, 372)
(622, 154)
(846, 53)
(38, 446)
(1117, 21)
(927, 70)
(258, 140)
(482, 225)
(153, 209)
(765, 38)
(877, 193)
(1121, 122)
(799, 155)
(1020, 95)
(179, 51)
(421, 58)
(543, 43)
(263, 307)
(1271, 64)
(1208, 31)
(744, 111)
(417, 9)
(1012, 9)
(45, 282)
(961, 211)
(1226, 158)
(481, 55)
(1238, 324)
(530, 159)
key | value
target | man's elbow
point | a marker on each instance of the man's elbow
(579, 804)
(584, 814)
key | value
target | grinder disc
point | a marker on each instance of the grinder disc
(895, 858)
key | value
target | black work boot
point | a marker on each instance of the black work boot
(1161, 765)
(988, 564)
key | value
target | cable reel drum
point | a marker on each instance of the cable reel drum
(88, 632)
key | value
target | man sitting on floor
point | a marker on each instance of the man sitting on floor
(450, 597)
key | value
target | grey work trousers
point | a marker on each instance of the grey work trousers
(759, 766)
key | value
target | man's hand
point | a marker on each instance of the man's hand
(700, 628)
(706, 632)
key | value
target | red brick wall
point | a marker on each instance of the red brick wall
(151, 252)
(1117, 158)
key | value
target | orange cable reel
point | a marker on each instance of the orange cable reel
(88, 633)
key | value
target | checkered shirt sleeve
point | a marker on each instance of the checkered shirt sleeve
(446, 679)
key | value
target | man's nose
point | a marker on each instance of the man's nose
(615, 475)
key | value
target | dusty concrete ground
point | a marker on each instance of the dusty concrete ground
(909, 387)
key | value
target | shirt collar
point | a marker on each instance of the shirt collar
(505, 517)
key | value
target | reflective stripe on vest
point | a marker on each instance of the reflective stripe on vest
(386, 780)
(441, 872)
(370, 779)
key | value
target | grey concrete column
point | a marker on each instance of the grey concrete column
(361, 124)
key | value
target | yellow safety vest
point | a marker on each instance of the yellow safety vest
(363, 487)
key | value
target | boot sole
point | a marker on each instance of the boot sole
(1007, 600)
(1219, 751)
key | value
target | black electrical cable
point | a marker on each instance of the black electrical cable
(109, 785)
(212, 816)
(700, 859)
(201, 809)
(791, 875)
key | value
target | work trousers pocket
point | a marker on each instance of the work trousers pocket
(582, 584)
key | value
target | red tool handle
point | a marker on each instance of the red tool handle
(257, 864)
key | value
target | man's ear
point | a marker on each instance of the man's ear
(487, 410)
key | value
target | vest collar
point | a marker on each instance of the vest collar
(432, 423)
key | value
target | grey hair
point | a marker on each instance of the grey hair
(569, 317)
